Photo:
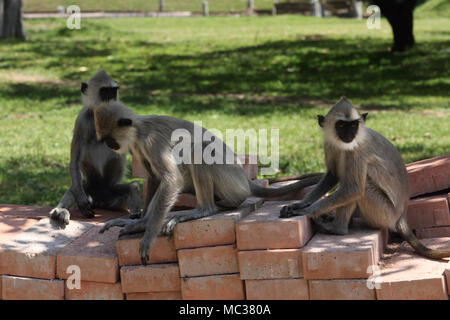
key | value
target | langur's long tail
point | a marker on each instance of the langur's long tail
(300, 177)
(264, 192)
(406, 232)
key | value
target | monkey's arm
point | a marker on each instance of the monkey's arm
(75, 172)
(328, 181)
(325, 184)
(350, 190)
(171, 184)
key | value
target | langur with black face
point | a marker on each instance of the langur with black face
(372, 180)
(217, 186)
(95, 169)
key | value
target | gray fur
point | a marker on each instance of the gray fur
(372, 179)
(94, 168)
(216, 186)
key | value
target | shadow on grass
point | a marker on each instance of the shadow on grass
(290, 74)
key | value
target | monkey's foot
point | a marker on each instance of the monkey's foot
(129, 226)
(296, 209)
(61, 215)
(135, 215)
(169, 226)
(327, 223)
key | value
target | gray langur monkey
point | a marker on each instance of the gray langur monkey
(372, 180)
(94, 168)
(217, 186)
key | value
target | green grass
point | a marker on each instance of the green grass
(260, 72)
(143, 5)
(433, 8)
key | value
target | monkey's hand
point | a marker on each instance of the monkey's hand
(296, 209)
(61, 215)
(84, 205)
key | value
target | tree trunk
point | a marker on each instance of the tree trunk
(11, 23)
(399, 13)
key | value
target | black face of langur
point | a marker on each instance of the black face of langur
(101, 88)
(346, 129)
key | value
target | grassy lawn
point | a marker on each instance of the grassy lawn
(143, 5)
(260, 72)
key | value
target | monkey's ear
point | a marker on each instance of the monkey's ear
(321, 120)
(122, 122)
(364, 116)
(84, 87)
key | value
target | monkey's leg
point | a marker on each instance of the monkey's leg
(204, 191)
(325, 184)
(60, 213)
(338, 223)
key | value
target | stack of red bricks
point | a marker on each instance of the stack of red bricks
(247, 253)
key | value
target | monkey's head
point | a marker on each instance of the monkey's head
(343, 126)
(114, 125)
(99, 89)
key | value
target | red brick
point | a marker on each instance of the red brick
(10, 226)
(171, 295)
(186, 200)
(22, 211)
(208, 261)
(348, 289)
(218, 229)
(95, 291)
(216, 287)
(32, 253)
(17, 288)
(137, 170)
(342, 257)
(279, 289)
(428, 212)
(408, 276)
(162, 251)
(270, 264)
(94, 253)
(150, 278)
(429, 175)
(263, 229)
(436, 232)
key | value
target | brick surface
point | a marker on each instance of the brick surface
(150, 278)
(348, 289)
(162, 251)
(263, 229)
(95, 291)
(279, 289)
(22, 211)
(186, 200)
(408, 276)
(94, 253)
(173, 295)
(208, 261)
(137, 170)
(10, 226)
(218, 229)
(18, 288)
(428, 212)
(270, 264)
(216, 287)
(429, 175)
(436, 232)
(342, 257)
(32, 253)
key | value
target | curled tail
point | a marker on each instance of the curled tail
(301, 177)
(264, 192)
(406, 232)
